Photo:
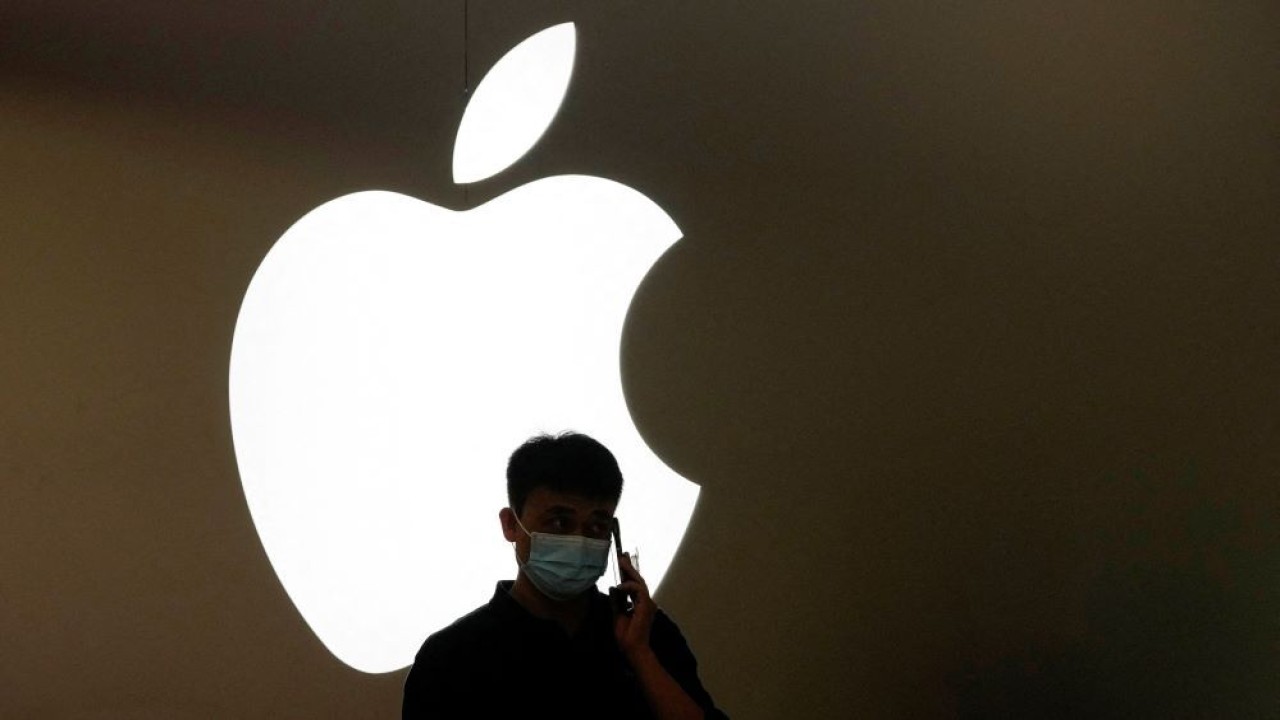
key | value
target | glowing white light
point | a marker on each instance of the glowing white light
(514, 105)
(388, 357)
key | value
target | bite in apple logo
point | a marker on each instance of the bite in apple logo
(389, 355)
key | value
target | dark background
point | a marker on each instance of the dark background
(973, 340)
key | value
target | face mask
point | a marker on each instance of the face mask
(562, 567)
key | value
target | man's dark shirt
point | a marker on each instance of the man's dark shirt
(501, 658)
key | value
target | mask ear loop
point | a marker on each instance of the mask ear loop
(515, 550)
(519, 524)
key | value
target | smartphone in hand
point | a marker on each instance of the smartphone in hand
(621, 603)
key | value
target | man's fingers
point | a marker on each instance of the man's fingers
(634, 589)
(640, 599)
(629, 570)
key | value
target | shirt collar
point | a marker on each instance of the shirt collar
(510, 608)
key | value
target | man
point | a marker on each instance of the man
(549, 644)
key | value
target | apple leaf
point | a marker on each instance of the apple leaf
(514, 104)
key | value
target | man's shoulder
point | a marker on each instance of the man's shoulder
(664, 625)
(456, 663)
(479, 629)
(472, 630)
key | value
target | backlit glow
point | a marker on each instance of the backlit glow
(389, 356)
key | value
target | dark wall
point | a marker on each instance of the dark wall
(973, 340)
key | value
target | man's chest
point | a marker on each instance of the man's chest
(584, 676)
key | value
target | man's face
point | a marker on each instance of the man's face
(558, 514)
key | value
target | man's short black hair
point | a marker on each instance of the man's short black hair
(570, 463)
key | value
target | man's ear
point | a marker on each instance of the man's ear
(510, 530)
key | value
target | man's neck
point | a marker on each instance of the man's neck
(568, 614)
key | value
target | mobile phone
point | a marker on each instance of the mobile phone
(617, 536)
(621, 603)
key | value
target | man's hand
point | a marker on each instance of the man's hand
(632, 631)
(666, 698)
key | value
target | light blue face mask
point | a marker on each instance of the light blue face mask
(562, 567)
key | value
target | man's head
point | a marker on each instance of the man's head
(566, 485)
(566, 464)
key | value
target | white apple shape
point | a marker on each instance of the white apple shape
(390, 354)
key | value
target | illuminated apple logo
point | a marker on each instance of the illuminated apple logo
(390, 354)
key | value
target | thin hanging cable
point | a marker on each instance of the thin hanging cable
(466, 60)
(466, 81)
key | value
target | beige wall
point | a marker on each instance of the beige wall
(973, 340)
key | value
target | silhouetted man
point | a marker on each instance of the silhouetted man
(549, 644)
